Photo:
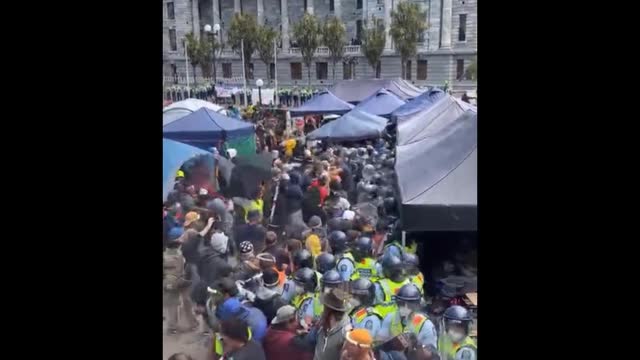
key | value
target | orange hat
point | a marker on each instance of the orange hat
(191, 217)
(360, 337)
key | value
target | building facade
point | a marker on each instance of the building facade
(449, 44)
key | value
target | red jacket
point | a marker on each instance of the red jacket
(278, 345)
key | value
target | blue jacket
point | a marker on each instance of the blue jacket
(252, 316)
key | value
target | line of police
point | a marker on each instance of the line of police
(387, 294)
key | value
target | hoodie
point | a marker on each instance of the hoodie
(252, 316)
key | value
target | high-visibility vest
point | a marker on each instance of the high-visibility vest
(365, 268)
(418, 280)
(449, 348)
(217, 344)
(253, 205)
(318, 308)
(415, 322)
(391, 288)
(396, 324)
(282, 276)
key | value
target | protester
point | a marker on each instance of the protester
(279, 342)
(358, 346)
(177, 288)
(237, 345)
(253, 231)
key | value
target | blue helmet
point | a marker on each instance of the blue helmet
(363, 290)
(458, 315)
(338, 241)
(331, 279)
(325, 262)
(409, 293)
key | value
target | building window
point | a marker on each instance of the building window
(459, 69)
(173, 43)
(226, 70)
(408, 70)
(272, 71)
(358, 4)
(346, 71)
(358, 29)
(421, 37)
(422, 70)
(171, 14)
(462, 29)
(378, 69)
(322, 69)
(174, 73)
(296, 71)
(305, 5)
(250, 71)
(331, 5)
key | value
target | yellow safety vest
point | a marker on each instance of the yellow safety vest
(418, 280)
(298, 300)
(449, 348)
(217, 344)
(365, 268)
(415, 322)
(253, 205)
(391, 288)
(396, 324)
(411, 249)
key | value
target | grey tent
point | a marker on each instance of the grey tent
(354, 91)
(437, 176)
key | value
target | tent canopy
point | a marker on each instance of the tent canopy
(355, 91)
(382, 103)
(416, 105)
(437, 177)
(352, 126)
(174, 154)
(183, 108)
(204, 128)
(322, 103)
(431, 117)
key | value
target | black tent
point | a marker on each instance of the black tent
(437, 176)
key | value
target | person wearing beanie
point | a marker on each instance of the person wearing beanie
(271, 243)
(248, 266)
(315, 228)
(357, 346)
(268, 298)
(253, 231)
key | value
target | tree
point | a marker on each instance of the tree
(264, 45)
(373, 42)
(333, 36)
(472, 70)
(407, 23)
(205, 55)
(193, 51)
(243, 27)
(307, 34)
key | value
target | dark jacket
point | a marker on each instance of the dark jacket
(212, 266)
(251, 351)
(279, 344)
(254, 233)
(294, 194)
(268, 301)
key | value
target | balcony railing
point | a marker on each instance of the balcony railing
(324, 51)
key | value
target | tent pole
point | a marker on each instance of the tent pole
(404, 239)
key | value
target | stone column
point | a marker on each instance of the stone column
(310, 6)
(236, 6)
(260, 12)
(216, 13)
(434, 25)
(284, 20)
(445, 24)
(337, 9)
(387, 24)
(195, 18)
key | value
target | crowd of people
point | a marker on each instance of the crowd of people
(309, 266)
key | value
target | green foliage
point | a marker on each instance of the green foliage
(373, 42)
(307, 33)
(243, 27)
(333, 37)
(472, 70)
(205, 55)
(407, 23)
(193, 48)
(264, 44)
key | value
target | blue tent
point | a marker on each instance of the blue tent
(417, 104)
(174, 154)
(382, 103)
(354, 125)
(204, 128)
(322, 103)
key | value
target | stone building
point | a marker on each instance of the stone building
(449, 44)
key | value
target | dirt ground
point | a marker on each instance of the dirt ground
(191, 343)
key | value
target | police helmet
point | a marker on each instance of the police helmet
(338, 241)
(330, 279)
(412, 263)
(409, 296)
(457, 315)
(363, 290)
(362, 248)
(325, 262)
(302, 258)
(393, 268)
(307, 278)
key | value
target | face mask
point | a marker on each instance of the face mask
(404, 311)
(299, 290)
(356, 302)
(455, 336)
(326, 290)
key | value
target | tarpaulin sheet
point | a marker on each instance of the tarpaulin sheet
(322, 103)
(352, 126)
(437, 177)
(354, 91)
(382, 103)
(416, 105)
(183, 108)
(174, 154)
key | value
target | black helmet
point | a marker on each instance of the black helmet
(409, 296)
(362, 248)
(325, 262)
(363, 290)
(330, 279)
(411, 262)
(393, 268)
(338, 241)
(390, 205)
(456, 314)
(307, 278)
(302, 258)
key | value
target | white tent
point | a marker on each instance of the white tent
(183, 108)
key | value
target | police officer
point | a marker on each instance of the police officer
(325, 262)
(345, 261)
(412, 263)
(365, 315)
(330, 280)
(305, 300)
(395, 248)
(394, 278)
(301, 258)
(413, 320)
(455, 343)
(365, 265)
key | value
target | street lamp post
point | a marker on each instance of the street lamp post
(213, 32)
(259, 84)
